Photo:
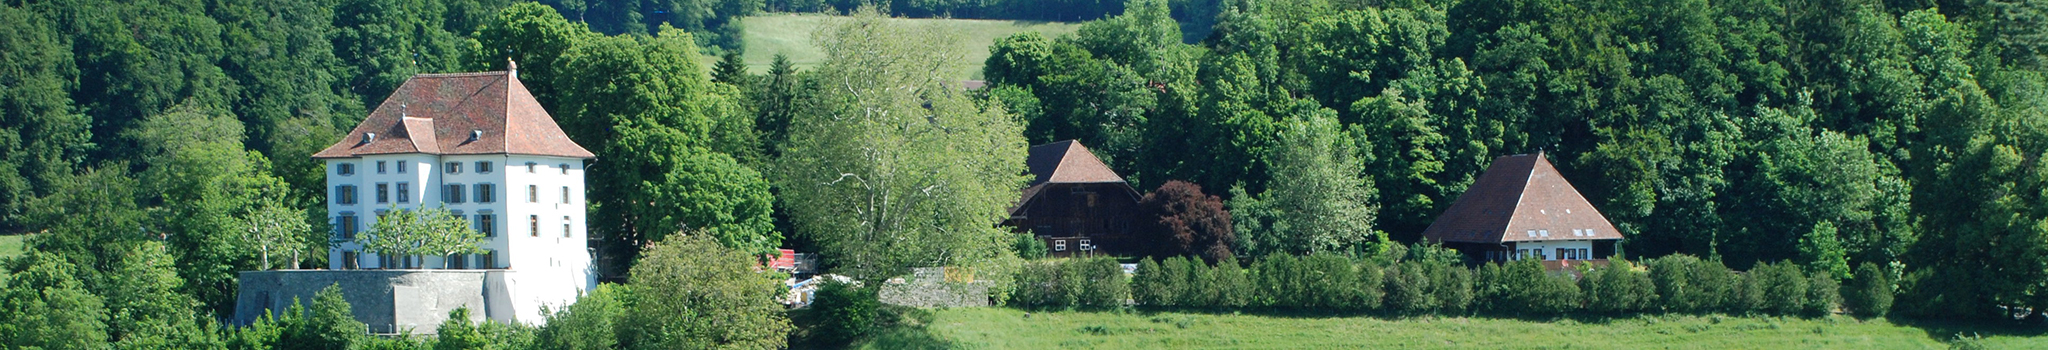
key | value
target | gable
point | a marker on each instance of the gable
(1516, 195)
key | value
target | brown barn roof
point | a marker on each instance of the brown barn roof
(1516, 195)
(1065, 162)
(463, 113)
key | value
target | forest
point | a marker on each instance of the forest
(142, 143)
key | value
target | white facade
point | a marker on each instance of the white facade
(531, 209)
(1555, 250)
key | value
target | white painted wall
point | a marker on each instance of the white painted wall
(547, 267)
(1549, 249)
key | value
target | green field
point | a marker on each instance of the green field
(790, 34)
(1001, 328)
(10, 245)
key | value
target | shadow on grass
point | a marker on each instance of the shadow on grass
(1948, 330)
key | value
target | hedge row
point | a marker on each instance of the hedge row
(1419, 284)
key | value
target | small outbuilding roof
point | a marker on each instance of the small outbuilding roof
(464, 113)
(1520, 198)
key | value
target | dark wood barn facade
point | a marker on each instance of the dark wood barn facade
(1075, 203)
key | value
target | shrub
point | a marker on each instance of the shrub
(1100, 282)
(1618, 288)
(1822, 294)
(1148, 284)
(1525, 288)
(1453, 286)
(1408, 289)
(844, 312)
(589, 324)
(1277, 280)
(1327, 281)
(1746, 295)
(1200, 291)
(1232, 283)
(1028, 246)
(1038, 285)
(1690, 285)
(1870, 293)
(1174, 280)
(1783, 287)
(689, 291)
(1369, 286)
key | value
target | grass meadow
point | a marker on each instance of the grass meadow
(1003, 328)
(11, 245)
(790, 34)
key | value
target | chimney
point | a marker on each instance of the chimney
(512, 68)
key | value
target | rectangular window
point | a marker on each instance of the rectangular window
(345, 169)
(485, 194)
(383, 193)
(565, 168)
(348, 260)
(346, 226)
(380, 167)
(483, 167)
(489, 260)
(401, 166)
(533, 225)
(1059, 245)
(565, 226)
(452, 193)
(486, 224)
(1563, 253)
(565, 194)
(1521, 253)
(454, 262)
(345, 194)
(1585, 253)
(453, 167)
(533, 193)
(530, 166)
(405, 192)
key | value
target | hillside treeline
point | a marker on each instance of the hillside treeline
(1831, 134)
(141, 140)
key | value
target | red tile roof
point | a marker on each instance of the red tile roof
(463, 113)
(1516, 195)
(1068, 162)
(1065, 162)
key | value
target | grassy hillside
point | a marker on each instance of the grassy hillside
(790, 34)
(998, 328)
(10, 245)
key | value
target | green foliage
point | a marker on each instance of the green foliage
(46, 306)
(1149, 284)
(459, 333)
(277, 229)
(1523, 287)
(328, 324)
(44, 134)
(1690, 285)
(891, 168)
(1869, 294)
(845, 312)
(592, 323)
(1071, 283)
(427, 231)
(1319, 201)
(1783, 287)
(691, 291)
(1618, 288)
(1028, 247)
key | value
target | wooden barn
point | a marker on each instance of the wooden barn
(1075, 203)
(1522, 208)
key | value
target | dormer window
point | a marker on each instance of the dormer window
(369, 137)
(474, 135)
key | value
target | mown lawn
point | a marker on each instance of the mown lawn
(1000, 328)
(790, 34)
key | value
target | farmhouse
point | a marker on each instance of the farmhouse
(1522, 208)
(479, 145)
(1075, 203)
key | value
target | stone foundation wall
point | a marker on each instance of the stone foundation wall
(388, 301)
(929, 287)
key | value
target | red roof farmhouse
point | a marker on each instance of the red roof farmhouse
(1075, 203)
(1522, 208)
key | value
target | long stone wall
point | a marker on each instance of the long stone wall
(388, 301)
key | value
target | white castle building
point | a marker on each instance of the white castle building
(479, 145)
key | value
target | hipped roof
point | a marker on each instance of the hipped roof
(1518, 194)
(440, 113)
(1066, 162)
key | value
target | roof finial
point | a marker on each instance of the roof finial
(512, 67)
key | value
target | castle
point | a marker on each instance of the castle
(479, 145)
